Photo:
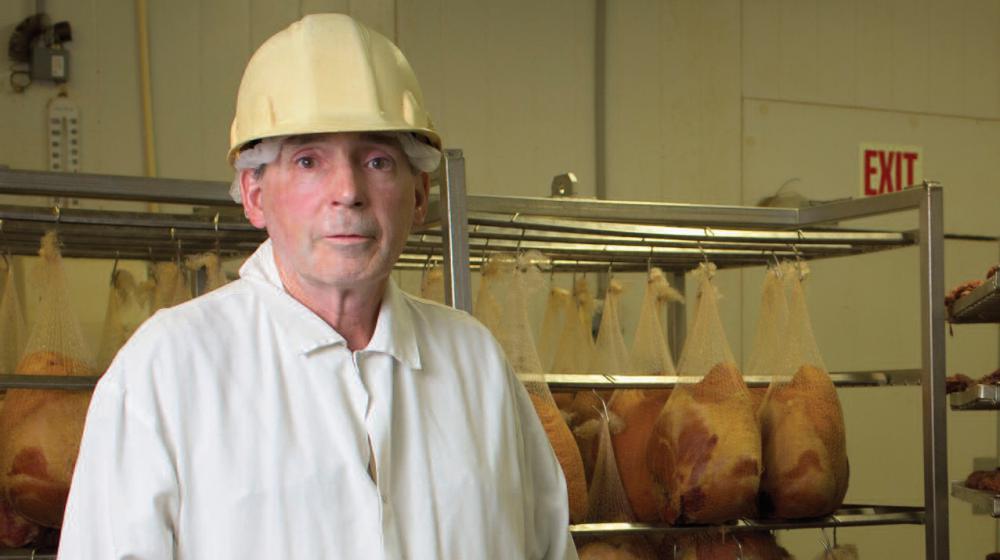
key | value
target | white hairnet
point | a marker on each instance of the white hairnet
(422, 156)
(266, 151)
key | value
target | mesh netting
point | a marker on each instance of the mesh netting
(705, 450)
(650, 351)
(575, 350)
(518, 278)
(42, 429)
(719, 545)
(800, 340)
(607, 500)
(12, 325)
(840, 552)
(802, 422)
(586, 305)
(706, 345)
(56, 329)
(432, 284)
(122, 316)
(214, 277)
(171, 287)
(769, 345)
(487, 307)
(612, 354)
(556, 307)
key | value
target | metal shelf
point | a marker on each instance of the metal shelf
(62, 382)
(622, 234)
(847, 516)
(26, 554)
(976, 397)
(987, 501)
(982, 305)
(598, 381)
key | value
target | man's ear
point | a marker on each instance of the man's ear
(422, 199)
(250, 190)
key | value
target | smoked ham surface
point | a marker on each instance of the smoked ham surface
(568, 455)
(805, 447)
(638, 409)
(753, 546)
(15, 530)
(620, 549)
(705, 452)
(41, 433)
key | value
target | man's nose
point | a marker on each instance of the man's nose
(347, 186)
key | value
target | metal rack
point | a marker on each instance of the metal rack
(987, 501)
(598, 235)
(847, 516)
(578, 235)
(981, 305)
(976, 397)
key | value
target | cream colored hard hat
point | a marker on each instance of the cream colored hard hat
(327, 73)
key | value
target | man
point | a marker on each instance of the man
(311, 409)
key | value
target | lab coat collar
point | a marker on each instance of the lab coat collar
(394, 334)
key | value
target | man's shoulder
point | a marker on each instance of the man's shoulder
(444, 318)
(205, 317)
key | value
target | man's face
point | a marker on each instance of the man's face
(337, 207)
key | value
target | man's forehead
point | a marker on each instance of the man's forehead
(378, 138)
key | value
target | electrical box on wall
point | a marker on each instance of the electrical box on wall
(39, 46)
(50, 64)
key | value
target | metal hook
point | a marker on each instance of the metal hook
(611, 269)
(739, 548)
(57, 212)
(218, 242)
(704, 255)
(114, 267)
(604, 403)
(517, 249)
(6, 246)
(649, 261)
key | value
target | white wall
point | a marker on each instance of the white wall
(709, 102)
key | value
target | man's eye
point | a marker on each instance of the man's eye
(380, 163)
(305, 162)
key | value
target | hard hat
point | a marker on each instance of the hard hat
(327, 73)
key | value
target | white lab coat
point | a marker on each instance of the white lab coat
(237, 426)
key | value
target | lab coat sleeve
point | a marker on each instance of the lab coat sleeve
(545, 499)
(124, 497)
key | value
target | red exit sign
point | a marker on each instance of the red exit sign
(887, 168)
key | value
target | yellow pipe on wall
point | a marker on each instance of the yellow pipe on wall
(149, 145)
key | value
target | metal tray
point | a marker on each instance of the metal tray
(982, 305)
(847, 516)
(987, 501)
(977, 397)
(598, 381)
(64, 382)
